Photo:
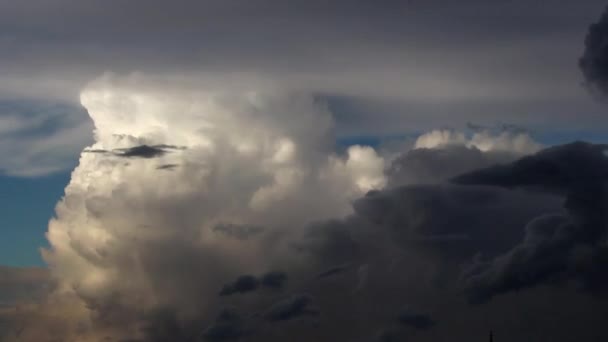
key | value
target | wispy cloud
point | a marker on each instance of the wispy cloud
(41, 138)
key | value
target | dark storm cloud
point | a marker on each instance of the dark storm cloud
(453, 220)
(145, 151)
(336, 270)
(248, 283)
(228, 326)
(553, 250)
(391, 335)
(140, 151)
(330, 240)
(594, 62)
(243, 284)
(168, 167)
(274, 279)
(560, 169)
(290, 308)
(415, 320)
(423, 165)
(555, 247)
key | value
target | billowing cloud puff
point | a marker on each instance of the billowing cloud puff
(442, 154)
(363, 166)
(131, 239)
(514, 142)
(555, 247)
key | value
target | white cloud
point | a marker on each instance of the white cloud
(362, 166)
(485, 141)
(240, 156)
(440, 138)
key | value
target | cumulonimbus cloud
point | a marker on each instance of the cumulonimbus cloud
(246, 159)
(262, 231)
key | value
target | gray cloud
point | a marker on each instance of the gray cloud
(228, 326)
(140, 151)
(495, 67)
(437, 165)
(560, 169)
(249, 283)
(394, 335)
(555, 247)
(168, 167)
(290, 308)
(336, 270)
(240, 232)
(274, 279)
(388, 75)
(242, 284)
(415, 320)
(594, 62)
(431, 216)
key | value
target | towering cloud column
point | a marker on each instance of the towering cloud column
(140, 227)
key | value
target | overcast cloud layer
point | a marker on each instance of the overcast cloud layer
(387, 68)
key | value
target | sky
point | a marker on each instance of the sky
(306, 170)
